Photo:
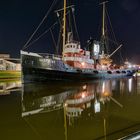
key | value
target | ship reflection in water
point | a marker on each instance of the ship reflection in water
(104, 109)
(76, 100)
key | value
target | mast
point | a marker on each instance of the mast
(65, 121)
(103, 27)
(103, 20)
(64, 26)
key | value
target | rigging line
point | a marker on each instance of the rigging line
(106, 41)
(69, 21)
(59, 36)
(113, 41)
(122, 59)
(33, 129)
(115, 101)
(60, 32)
(98, 31)
(53, 40)
(114, 34)
(75, 25)
(40, 24)
(111, 26)
(39, 36)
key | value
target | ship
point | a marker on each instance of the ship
(74, 63)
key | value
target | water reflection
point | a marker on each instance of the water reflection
(6, 87)
(103, 110)
(76, 102)
(84, 108)
(39, 98)
(43, 98)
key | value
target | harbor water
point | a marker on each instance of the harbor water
(95, 110)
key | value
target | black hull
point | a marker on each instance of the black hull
(35, 74)
(40, 69)
(41, 75)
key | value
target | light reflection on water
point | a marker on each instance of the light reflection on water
(98, 110)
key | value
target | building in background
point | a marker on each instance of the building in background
(9, 67)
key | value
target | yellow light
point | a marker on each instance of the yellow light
(83, 63)
(106, 94)
(84, 87)
(65, 105)
(83, 95)
(103, 66)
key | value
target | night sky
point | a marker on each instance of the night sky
(19, 18)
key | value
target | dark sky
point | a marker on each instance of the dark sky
(19, 18)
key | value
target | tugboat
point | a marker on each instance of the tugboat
(74, 63)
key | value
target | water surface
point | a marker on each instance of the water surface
(96, 110)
